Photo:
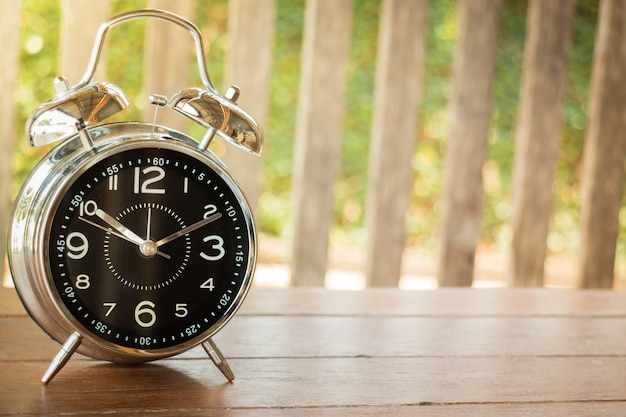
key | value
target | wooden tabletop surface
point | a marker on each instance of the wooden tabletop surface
(314, 352)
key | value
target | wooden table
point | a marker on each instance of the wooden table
(309, 352)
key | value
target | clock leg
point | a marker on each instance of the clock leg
(218, 359)
(68, 348)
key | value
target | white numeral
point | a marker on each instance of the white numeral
(181, 310)
(145, 186)
(218, 246)
(211, 209)
(88, 208)
(77, 250)
(82, 282)
(113, 183)
(143, 309)
(208, 284)
(110, 307)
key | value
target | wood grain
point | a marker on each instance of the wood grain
(169, 60)
(469, 115)
(9, 56)
(79, 25)
(538, 136)
(605, 151)
(289, 336)
(251, 27)
(87, 387)
(392, 302)
(310, 352)
(443, 302)
(327, 34)
(400, 62)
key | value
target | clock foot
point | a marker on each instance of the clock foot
(68, 348)
(218, 359)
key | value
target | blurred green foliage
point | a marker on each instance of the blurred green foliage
(39, 65)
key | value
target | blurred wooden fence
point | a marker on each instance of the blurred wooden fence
(401, 49)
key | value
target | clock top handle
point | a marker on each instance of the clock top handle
(88, 103)
(193, 30)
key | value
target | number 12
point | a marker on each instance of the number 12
(146, 186)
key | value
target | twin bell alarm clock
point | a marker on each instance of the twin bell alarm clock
(129, 241)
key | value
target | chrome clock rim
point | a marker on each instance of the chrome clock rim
(39, 199)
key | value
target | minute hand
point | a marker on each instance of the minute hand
(188, 229)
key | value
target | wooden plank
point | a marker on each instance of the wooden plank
(538, 136)
(79, 24)
(440, 337)
(169, 55)
(502, 352)
(443, 302)
(327, 33)
(469, 116)
(251, 26)
(9, 56)
(310, 382)
(425, 409)
(389, 302)
(605, 150)
(348, 337)
(400, 62)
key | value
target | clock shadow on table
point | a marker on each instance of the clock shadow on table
(177, 384)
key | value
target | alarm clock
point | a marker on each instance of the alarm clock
(129, 241)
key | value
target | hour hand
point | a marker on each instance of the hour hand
(115, 224)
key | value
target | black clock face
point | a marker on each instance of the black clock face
(150, 248)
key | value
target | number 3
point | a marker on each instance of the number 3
(218, 246)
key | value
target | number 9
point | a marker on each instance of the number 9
(77, 251)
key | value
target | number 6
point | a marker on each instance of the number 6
(145, 308)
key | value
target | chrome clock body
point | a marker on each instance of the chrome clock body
(32, 244)
(131, 242)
